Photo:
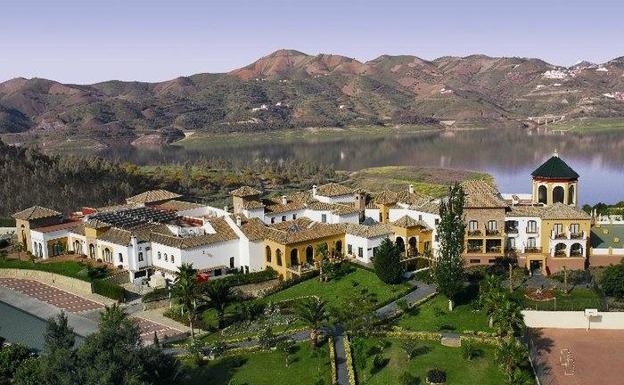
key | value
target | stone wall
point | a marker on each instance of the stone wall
(556, 264)
(604, 260)
(573, 320)
(60, 281)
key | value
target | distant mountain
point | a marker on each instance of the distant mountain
(289, 88)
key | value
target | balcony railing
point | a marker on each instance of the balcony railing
(474, 233)
(302, 268)
(569, 236)
(533, 230)
(491, 232)
(576, 235)
(511, 230)
(494, 250)
(474, 250)
(532, 249)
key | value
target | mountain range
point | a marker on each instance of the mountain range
(291, 89)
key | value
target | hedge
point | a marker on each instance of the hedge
(332, 361)
(255, 277)
(109, 289)
(7, 222)
(156, 295)
(349, 359)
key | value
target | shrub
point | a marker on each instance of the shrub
(109, 289)
(612, 281)
(407, 378)
(436, 376)
(379, 362)
(156, 295)
(255, 277)
(413, 350)
(387, 262)
(470, 351)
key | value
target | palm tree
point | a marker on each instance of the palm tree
(510, 354)
(491, 296)
(508, 318)
(520, 377)
(187, 291)
(312, 311)
(220, 294)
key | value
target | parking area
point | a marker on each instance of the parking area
(72, 303)
(578, 357)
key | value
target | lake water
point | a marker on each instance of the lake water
(510, 155)
(19, 326)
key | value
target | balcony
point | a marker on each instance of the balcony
(474, 233)
(534, 250)
(302, 268)
(492, 232)
(494, 250)
(511, 230)
(568, 236)
(532, 230)
(577, 235)
(474, 250)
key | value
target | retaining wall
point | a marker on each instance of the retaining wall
(72, 285)
(573, 320)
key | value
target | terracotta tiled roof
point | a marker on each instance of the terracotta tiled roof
(223, 233)
(373, 231)
(292, 232)
(345, 209)
(178, 205)
(481, 194)
(333, 190)
(431, 207)
(275, 206)
(406, 222)
(386, 197)
(35, 212)
(79, 230)
(556, 211)
(245, 191)
(58, 227)
(153, 196)
(250, 205)
(320, 206)
(116, 235)
(96, 224)
(253, 228)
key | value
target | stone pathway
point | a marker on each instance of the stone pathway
(421, 292)
(342, 372)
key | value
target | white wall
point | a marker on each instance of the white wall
(43, 238)
(372, 213)
(522, 237)
(367, 246)
(573, 320)
(278, 217)
(337, 199)
(428, 218)
(606, 251)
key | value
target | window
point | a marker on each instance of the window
(420, 217)
(267, 252)
(272, 219)
(531, 243)
(380, 217)
(166, 259)
(360, 252)
(532, 227)
(159, 256)
(575, 228)
(231, 262)
(437, 238)
(140, 257)
(349, 248)
(492, 225)
(324, 218)
(558, 229)
(294, 216)
(491, 260)
(511, 243)
(120, 258)
(473, 226)
(283, 218)
(172, 259)
(375, 250)
(427, 246)
(437, 221)
(475, 260)
(278, 256)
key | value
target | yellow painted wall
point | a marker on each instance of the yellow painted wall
(549, 225)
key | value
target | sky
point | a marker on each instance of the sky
(86, 41)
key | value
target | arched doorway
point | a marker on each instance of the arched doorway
(338, 247)
(294, 260)
(91, 251)
(77, 247)
(571, 196)
(267, 253)
(400, 243)
(413, 246)
(576, 250)
(542, 194)
(278, 257)
(560, 250)
(558, 195)
(309, 255)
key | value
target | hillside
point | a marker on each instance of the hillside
(292, 89)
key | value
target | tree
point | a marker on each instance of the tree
(187, 291)
(313, 312)
(11, 357)
(510, 355)
(220, 294)
(491, 296)
(508, 318)
(387, 262)
(520, 377)
(612, 281)
(449, 269)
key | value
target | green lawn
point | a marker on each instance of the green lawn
(263, 368)
(66, 268)
(434, 315)
(339, 290)
(577, 299)
(459, 371)
(590, 125)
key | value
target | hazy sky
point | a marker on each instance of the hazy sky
(84, 41)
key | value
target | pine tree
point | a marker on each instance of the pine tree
(449, 269)
(387, 262)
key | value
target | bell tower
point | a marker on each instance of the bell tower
(555, 182)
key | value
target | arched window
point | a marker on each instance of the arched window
(294, 260)
(532, 227)
(140, 256)
(338, 247)
(91, 251)
(278, 256)
(576, 250)
(166, 258)
(413, 245)
(560, 250)
(108, 255)
(267, 253)
(542, 194)
(473, 226)
(120, 258)
(310, 255)
(558, 195)
(571, 196)
(400, 244)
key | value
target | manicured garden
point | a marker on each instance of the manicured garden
(306, 367)
(380, 361)
(434, 315)
(577, 299)
(343, 288)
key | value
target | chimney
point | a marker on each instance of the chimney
(284, 200)
(225, 208)
(411, 189)
(239, 222)
(314, 190)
